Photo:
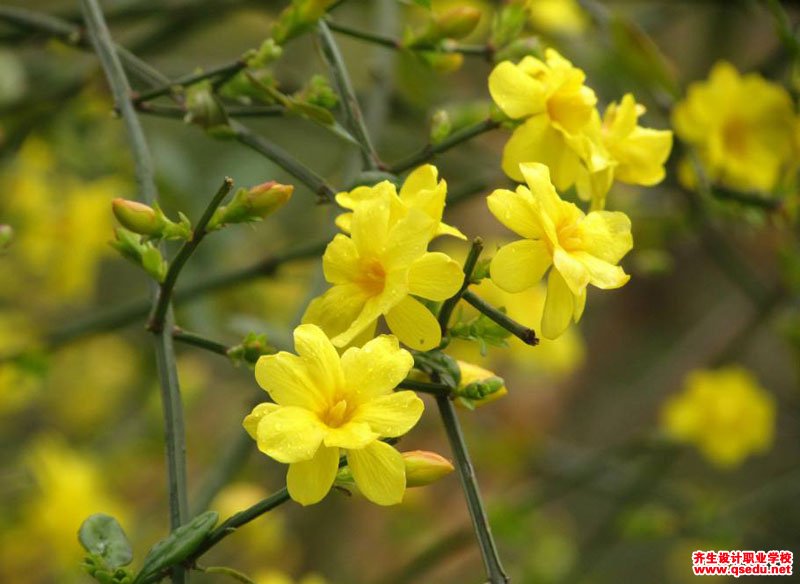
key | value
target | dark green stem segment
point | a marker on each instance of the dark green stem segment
(355, 119)
(484, 51)
(165, 357)
(156, 321)
(223, 71)
(469, 483)
(200, 341)
(285, 160)
(179, 112)
(437, 389)
(454, 139)
(523, 333)
(242, 518)
(469, 266)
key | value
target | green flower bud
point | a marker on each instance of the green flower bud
(250, 349)
(441, 126)
(458, 22)
(424, 468)
(252, 204)
(268, 52)
(204, 109)
(6, 235)
(143, 254)
(138, 217)
(297, 18)
(508, 24)
(442, 62)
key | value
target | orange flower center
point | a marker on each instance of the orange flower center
(734, 135)
(337, 414)
(372, 277)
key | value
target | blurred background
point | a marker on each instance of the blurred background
(581, 482)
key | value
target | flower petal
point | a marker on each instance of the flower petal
(408, 239)
(602, 274)
(353, 434)
(290, 434)
(379, 473)
(285, 377)
(336, 309)
(369, 227)
(558, 307)
(573, 271)
(435, 276)
(391, 415)
(516, 93)
(606, 235)
(537, 141)
(520, 265)
(516, 210)
(414, 325)
(340, 260)
(422, 178)
(309, 481)
(376, 368)
(250, 422)
(320, 358)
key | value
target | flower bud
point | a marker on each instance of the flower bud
(508, 23)
(424, 468)
(143, 254)
(6, 235)
(138, 217)
(205, 110)
(478, 386)
(252, 204)
(298, 17)
(458, 22)
(442, 62)
(250, 349)
(441, 126)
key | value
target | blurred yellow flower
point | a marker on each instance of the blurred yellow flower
(324, 403)
(557, 16)
(258, 538)
(376, 271)
(69, 488)
(636, 154)
(725, 413)
(582, 249)
(420, 190)
(743, 127)
(556, 108)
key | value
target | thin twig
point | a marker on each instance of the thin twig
(165, 356)
(156, 321)
(469, 265)
(226, 71)
(438, 389)
(523, 333)
(454, 139)
(355, 119)
(200, 341)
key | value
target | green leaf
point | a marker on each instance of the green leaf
(103, 536)
(177, 546)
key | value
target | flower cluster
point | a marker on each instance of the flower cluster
(559, 126)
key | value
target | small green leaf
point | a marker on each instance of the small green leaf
(177, 546)
(103, 536)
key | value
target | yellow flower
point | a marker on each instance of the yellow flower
(725, 413)
(557, 16)
(420, 191)
(742, 126)
(324, 404)
(376, 271)
(636, 154)
(556, 107)
(583, 249)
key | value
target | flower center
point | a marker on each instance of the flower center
(337, 414)
(568, 236)
(372, 277)
(734, 135)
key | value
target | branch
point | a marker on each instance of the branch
(523, 333)
(469, 265)
(454, 139)
(469, 483)
(483, 51)
(202, 342)
(164, 297)
(285, 160)
(355, 119)
(224, 71)
(179, 112)
(437, 389)
(165, 357)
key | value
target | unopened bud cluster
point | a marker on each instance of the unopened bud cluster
(253, 204)
(149, 221)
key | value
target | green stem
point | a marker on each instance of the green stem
(156, 321)
(355, 119)
(200, 341)
(438, 389)
(484, 51)
(469, 266)
(286, 161)
(179, 112)
(469, 483)
(165, 356)
(747, 199)
(523, 333)
(454, 139)
(225, 71)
